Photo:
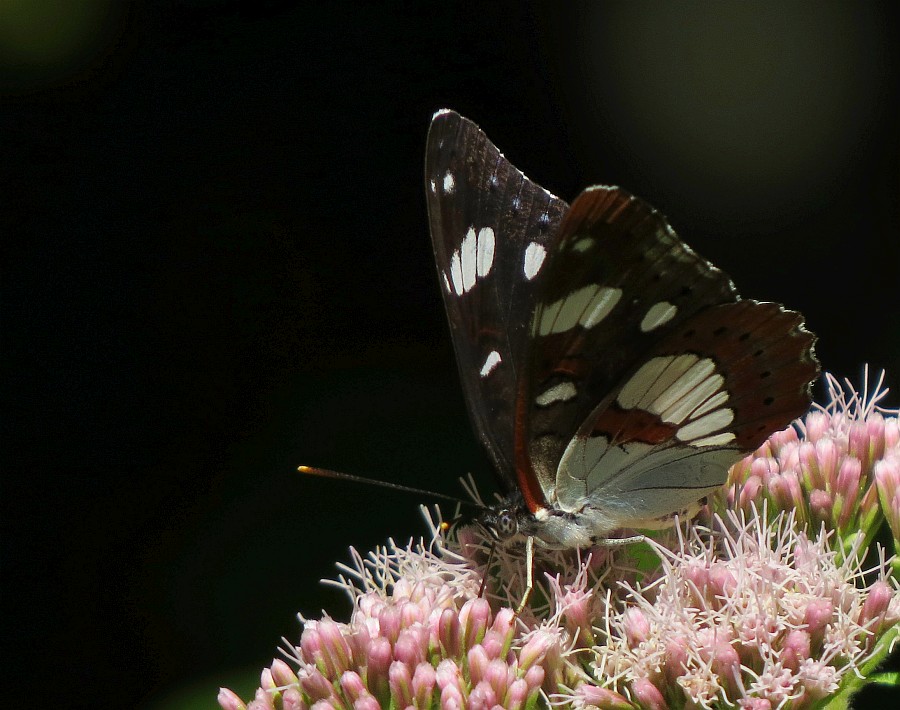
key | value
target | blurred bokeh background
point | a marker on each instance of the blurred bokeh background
(217, 267)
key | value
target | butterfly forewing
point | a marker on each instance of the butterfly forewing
(490, 228)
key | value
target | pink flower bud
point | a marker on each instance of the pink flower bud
(266, 682)
(400, 679)
(449, 633)
(779, 491)
(536, 648)
(499, 676)
(696, 573)
(648, 695)
(820, 506)
(762, 468)
(324, 705)
(282, 673)
(474, 617)
(637, 628)
(795, 649)
(492, 644)
(410, 614)
(817, 425)
(478, 663)
(887, 480)
(722, 581)
(534, 676)
(291, 699)
(505, 623)
(316, 686)
(875, 427)
(353, 685)
(517, 695)
(828, 455)
(756, 704)
(367, 702)
(891, 433)
(848, 477)
(423, 684)
(602, 698)
(876, 606)
(786, 438)
(389, 623)
(819, 613)
(750, 492)
(261, 701)
(311, 646)
(859, 443)
(452, 698)
(809, 466)
(727, 665)
(335, 647)
(448, 674)
(411, 647)
(228, 700)
(483, 697)
(576, 606)
(380, 657)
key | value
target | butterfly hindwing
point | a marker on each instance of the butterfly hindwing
(490, 228)
(709, 393)
(618, 279)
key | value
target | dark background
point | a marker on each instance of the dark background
(217, 267)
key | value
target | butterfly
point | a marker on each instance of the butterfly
(611, 374)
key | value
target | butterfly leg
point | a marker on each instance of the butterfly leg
(529, 573)
(619, 541)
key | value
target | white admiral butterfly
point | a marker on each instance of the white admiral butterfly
(611, 373)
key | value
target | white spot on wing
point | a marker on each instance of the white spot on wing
(562, 392)
(447, 282)
(658, 314)
(705, 425)
(456, 273)
(582, 245)
(714, 440)
(678, 411)
(652, 379)
(473, 259)
(686, 382)
(710, 404)
(468, 254)
(485, 251)
(449, 182)
(601, 305)
(586, 307)
(490, 362)
(433, 185)
(534, 259)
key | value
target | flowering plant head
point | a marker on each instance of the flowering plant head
(757, 606)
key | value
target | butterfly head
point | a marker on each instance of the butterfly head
(502, 521)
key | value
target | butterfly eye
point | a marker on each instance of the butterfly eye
(507, 526)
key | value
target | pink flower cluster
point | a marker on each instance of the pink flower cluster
(840, 467)
(767, 606)
(752, 613)
(419, 637)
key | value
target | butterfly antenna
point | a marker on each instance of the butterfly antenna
(327, 473)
